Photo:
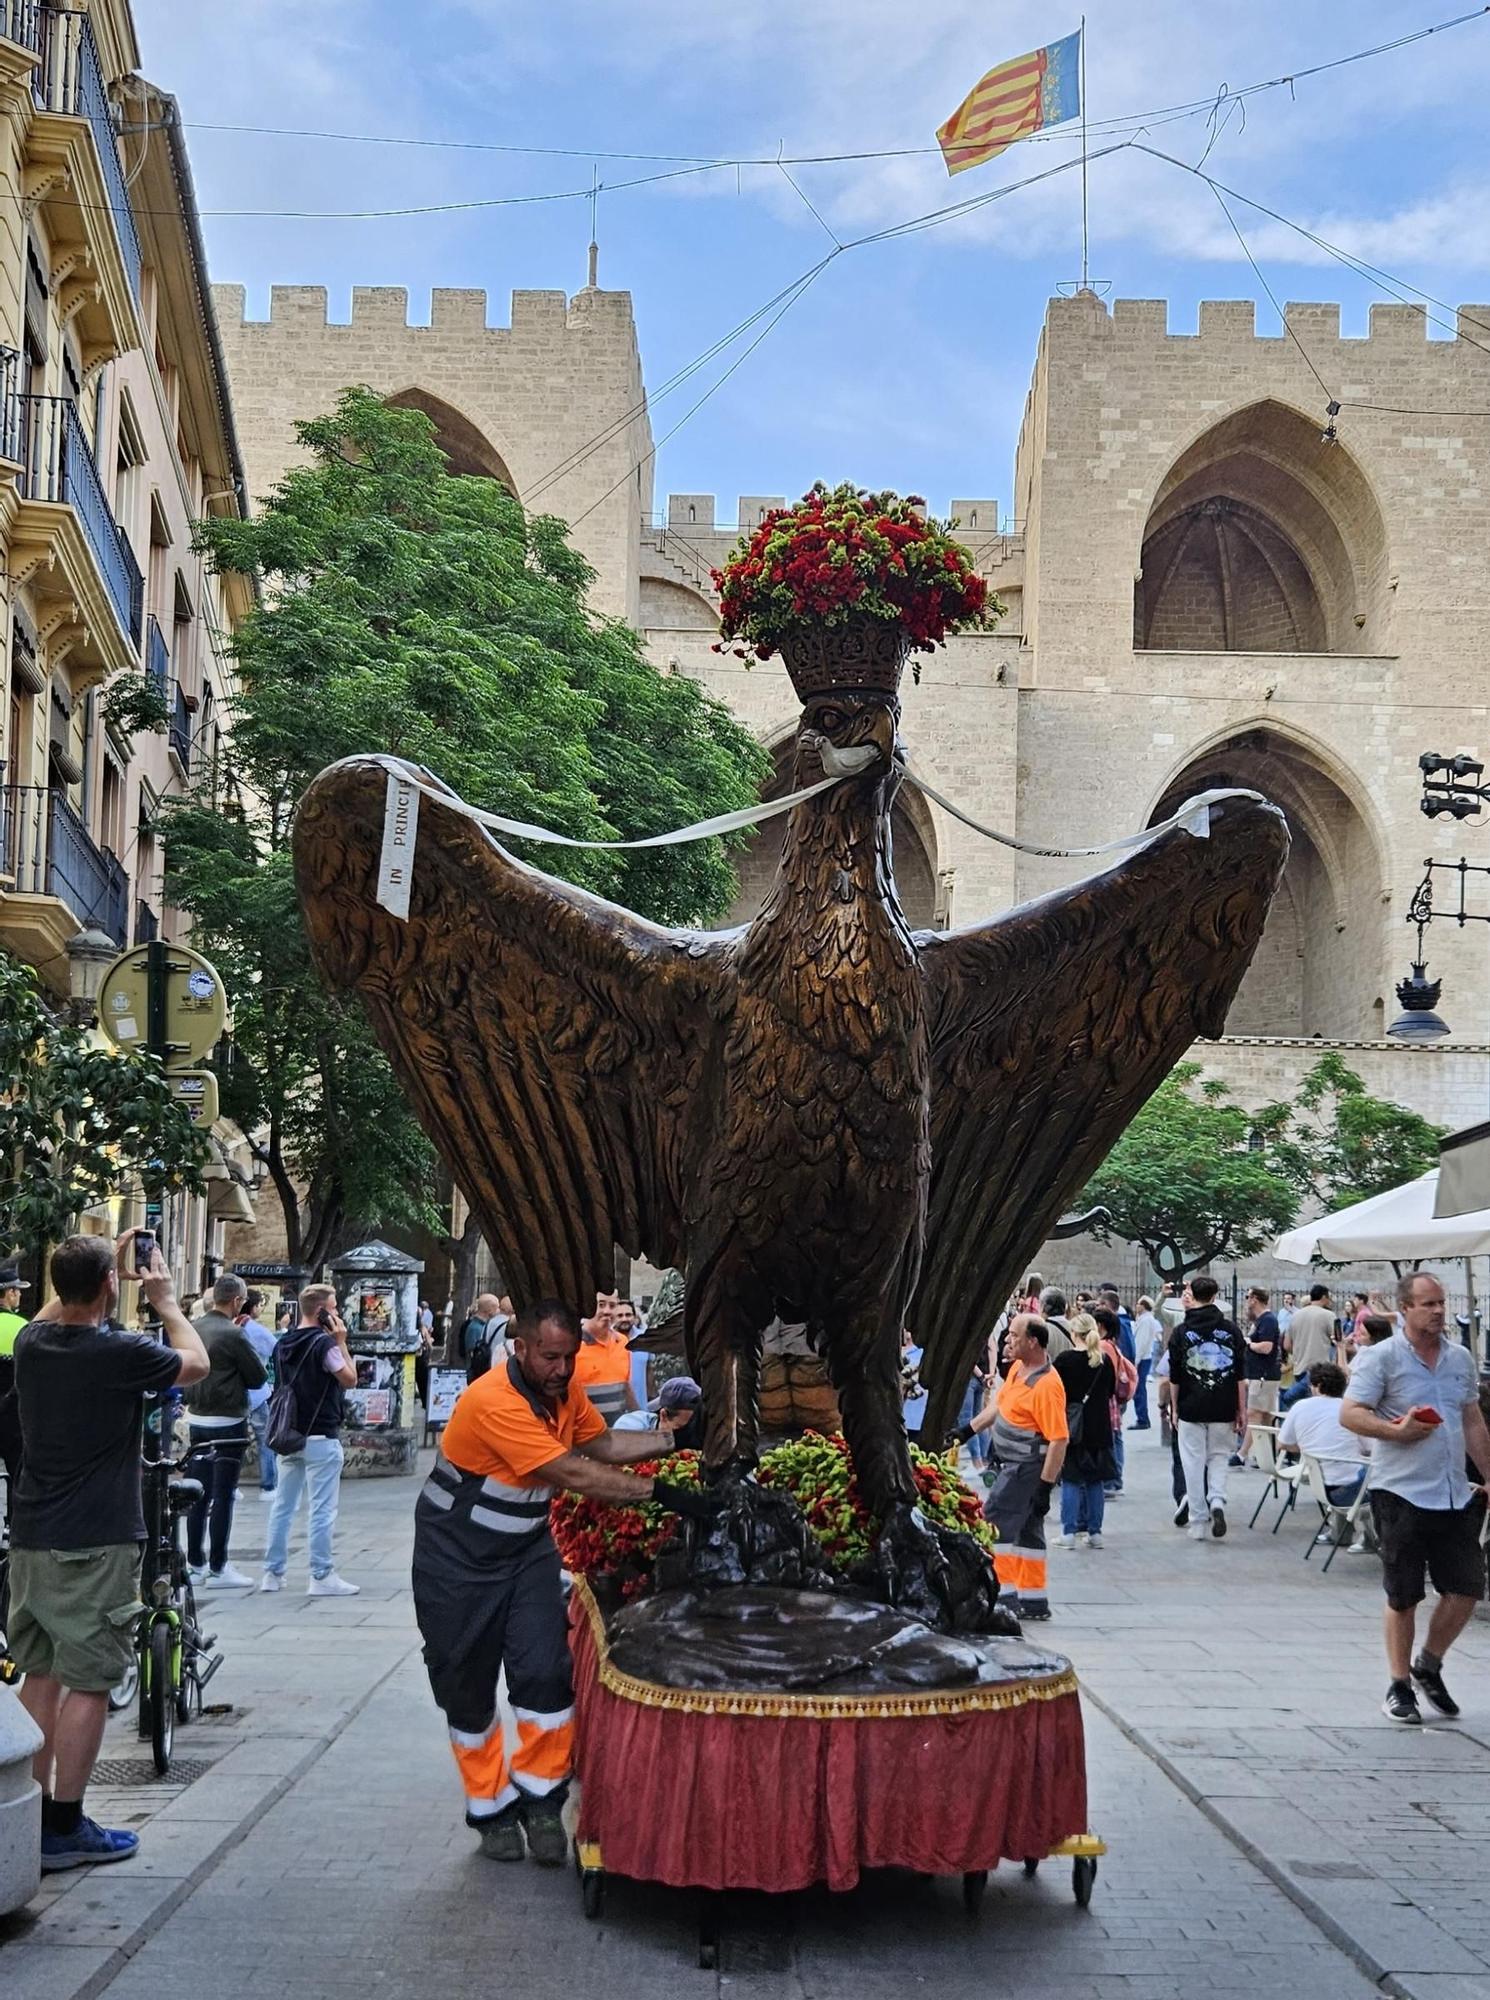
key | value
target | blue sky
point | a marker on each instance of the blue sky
(906, 362)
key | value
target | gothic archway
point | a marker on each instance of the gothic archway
(912, 837)
(1262, 538)
(468, 450)
(1322, 967)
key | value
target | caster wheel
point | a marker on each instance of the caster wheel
(592, 1893)
(1083, 1877)
(974, 1884)
(1031, 1865)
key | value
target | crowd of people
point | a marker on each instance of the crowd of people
(1386, 1404)
(1383, 1400)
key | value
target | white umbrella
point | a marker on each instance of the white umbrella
(1398, 1226)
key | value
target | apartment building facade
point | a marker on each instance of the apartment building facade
(116, 438)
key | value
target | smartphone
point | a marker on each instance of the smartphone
(1426, 1414)
(323, 1319)
(144, 1248)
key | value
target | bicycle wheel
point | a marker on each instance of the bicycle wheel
(189, 1686)
(123, 1692)
(162, 1694)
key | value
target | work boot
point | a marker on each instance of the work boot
(501, 1835)
(543, 1823)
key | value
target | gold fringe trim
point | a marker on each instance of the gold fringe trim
(811, 1707)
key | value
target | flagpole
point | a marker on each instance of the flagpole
(1085, 267)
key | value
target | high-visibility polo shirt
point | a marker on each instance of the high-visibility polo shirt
(504, 1432)
(1032, 1406)
(602, 1368)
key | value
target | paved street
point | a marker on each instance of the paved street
(1241, 1772)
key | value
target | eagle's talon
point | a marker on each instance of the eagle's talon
(940, 1575)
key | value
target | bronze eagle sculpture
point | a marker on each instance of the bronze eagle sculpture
(822, 1115)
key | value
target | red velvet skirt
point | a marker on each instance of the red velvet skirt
(698, 1789)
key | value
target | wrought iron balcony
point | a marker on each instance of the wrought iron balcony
(157, 659)
(147, 924)
(46, 850)
(58, 466)
(180, 734)
(12, 430)
(69, 79)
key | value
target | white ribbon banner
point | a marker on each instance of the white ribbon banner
(406, 784)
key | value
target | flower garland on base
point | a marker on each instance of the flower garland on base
(842, 553)
(621, 1543)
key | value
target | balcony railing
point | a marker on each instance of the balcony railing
(12, 429)
(157, 659)
(147, 924)
(180, 733)
(69, 78)
(19, 23)
(47, 851)
(58, 466)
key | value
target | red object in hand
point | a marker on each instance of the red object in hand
(1425, 1414)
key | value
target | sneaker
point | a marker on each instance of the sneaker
(1430, 1680)
(1182, 1514)
(227, 1578)
(271, 1581)
(501, 1835)
(1323, 1539)
(86, 1846)
(1064, 1542)
(332, 1585)
(197, 1573)
(1198, 1533)
(1094, 1541)
(1401, 1704)
(266, 1493)
(1218, 1521)
(1236, 1459)
(1037, 1614)
(548, 1844)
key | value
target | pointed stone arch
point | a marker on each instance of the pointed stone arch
(469, 451)
(1262, 538)
(1320, 969)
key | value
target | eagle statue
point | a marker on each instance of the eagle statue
(822, 1115)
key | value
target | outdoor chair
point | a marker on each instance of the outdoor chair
(1280, 1477)
(1340, 1521)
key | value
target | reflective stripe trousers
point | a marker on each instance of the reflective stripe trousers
(477, 1620)
(1017, 1505)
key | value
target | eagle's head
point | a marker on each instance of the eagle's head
(839, 727)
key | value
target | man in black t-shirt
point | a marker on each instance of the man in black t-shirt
(1263, 1365)
(1210, 1400)
(77, 1523)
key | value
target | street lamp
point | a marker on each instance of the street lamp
(90, 953)
(1418, 997)
(1454, 786)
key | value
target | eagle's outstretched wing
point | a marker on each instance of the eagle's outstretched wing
(1050, 1027)
(551, 1043)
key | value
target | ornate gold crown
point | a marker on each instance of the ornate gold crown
(866, 653)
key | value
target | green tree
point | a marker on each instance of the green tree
(78, 1123)
(1194, 1177)
(1342, 1145)
(409, 610)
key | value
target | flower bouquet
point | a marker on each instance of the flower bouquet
(841, 556)
(620, 1544)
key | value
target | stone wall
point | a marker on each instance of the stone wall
(556, 395)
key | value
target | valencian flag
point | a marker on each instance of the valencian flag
(1019, 97)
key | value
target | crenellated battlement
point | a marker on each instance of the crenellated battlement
(1227, 322)
(698, 514)
(453, 310)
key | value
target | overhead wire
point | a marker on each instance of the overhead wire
(1287, 80)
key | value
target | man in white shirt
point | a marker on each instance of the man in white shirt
(1149, 1338)
(1314, 1426)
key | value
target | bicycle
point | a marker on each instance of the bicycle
(172, 1663)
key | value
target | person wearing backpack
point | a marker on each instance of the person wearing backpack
(1089, 1376)
(485, 1324)
(313, 1369)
